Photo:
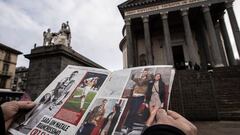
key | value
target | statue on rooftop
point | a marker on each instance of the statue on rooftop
(63, 37)
(69, 34)
(47, 37)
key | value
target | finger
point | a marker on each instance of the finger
(161, 115)
(8, 124)
(150, 120)
(150, 108)
(174, 114)
(25, 104)
(153, 112)
(162, 112)
(177, 116)
(155, 109)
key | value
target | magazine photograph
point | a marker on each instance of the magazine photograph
(115, 84)
(90, 101)
(50, 102)
(103, 117)
(147, 88)
(81, 98)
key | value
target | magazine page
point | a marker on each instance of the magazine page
(60, 107)
(126, 99)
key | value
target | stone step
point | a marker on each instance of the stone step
(231, 115)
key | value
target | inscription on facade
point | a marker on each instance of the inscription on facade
(163, 6)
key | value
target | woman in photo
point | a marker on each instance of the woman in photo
(93, 119)
(156, 92)
(111, 120)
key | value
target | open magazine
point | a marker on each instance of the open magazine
(90, 101)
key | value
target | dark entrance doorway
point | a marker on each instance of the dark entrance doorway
(178, 57)
(3, 82)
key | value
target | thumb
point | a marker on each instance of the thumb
(8, 123)
(161, 113)
(25, 104)
(162, 117)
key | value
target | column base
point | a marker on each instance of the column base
(219, 65)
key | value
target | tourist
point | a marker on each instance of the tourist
(196, 67)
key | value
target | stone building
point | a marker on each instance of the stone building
(178, 31)
(20, 79)
(8, 60)
(159, 32)
(47, 61)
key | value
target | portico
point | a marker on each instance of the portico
(178, 31)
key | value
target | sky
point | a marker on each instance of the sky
(96, 26)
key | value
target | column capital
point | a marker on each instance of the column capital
(184, 12)
(164, 15)
(184, 9)
(205, 8)
(127, 21)
(145, 19)
(229, 4)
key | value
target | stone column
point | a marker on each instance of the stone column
(227, 42)
(213, 38)
(167, 38)
(220, 43)
(130, 55)
(147, 37)
(234, 24)
(188, 34)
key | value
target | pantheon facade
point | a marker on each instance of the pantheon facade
(175, 32)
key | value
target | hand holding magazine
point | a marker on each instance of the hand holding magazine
(90, 101)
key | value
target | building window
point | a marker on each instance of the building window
(5, 68)
(7, 56)
(2, 82)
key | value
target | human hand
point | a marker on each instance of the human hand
(146, 105)
(10, 110)
(151, 118)
(176, 120)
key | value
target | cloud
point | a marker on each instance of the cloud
(95, 25)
